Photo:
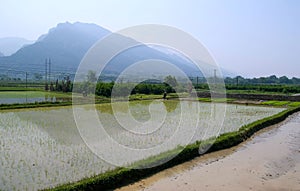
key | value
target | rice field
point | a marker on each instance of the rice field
(42, 148)
(12, 97)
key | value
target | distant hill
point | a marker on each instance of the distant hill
(10, 45)
(67, 43)
(1, 54)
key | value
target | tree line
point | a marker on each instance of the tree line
(239, 80)
(64, 85)
(170, 85)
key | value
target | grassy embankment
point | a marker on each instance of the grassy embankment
(274, 103)
(67, 98)
(217, 100)
(281, 103)
(123, 176)
(7, 88)
(32, 94)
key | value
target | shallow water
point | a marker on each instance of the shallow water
(44, 147)
(26, 100)
(12, 97)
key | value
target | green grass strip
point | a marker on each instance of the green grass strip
(294, 104)
(33, 105)
(217, 100)
(276, 103)
(123, 176)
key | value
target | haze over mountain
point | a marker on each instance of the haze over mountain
(67, 43)
(10, 45)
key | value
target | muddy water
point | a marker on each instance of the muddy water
(269, 161)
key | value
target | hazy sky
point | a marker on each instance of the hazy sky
(249, 37)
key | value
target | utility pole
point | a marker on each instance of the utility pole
(215, 77)
(26, 79)
(49, 71)
(197, 81)
(215, 74)
(46, 81)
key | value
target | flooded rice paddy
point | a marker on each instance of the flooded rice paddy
(42, 148)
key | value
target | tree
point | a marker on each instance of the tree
(57, 88)
(68, 84)
(37, 76)
(51, 86)
(91, 76)
(284, 80)
(171, 81)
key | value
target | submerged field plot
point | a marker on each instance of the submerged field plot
(42, 148)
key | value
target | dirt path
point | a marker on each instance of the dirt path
(269, 161)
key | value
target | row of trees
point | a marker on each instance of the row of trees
(262, 80)
(124, 89)
(265, 88)
(64, 86)
(170, 84)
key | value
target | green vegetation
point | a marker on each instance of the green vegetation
(240, 85)
(67, 99)
(281, 103)
(33, 105)
(33, 94)
(105, 89)
(121, 176)
(169, 85)
(276, 103)
(154, 96)
(262, 80)
(7, 88)
(237, 91)
(280, 89)
(294, 104)
(218, 100)
(239, 80)
(20, 84)
(264, 88)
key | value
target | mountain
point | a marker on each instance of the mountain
(10, 45)
(1, 54)
(67, 43)
(148, 60)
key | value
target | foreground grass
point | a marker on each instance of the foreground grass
(123, 176)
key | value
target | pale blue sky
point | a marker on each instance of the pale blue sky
(249, 37)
